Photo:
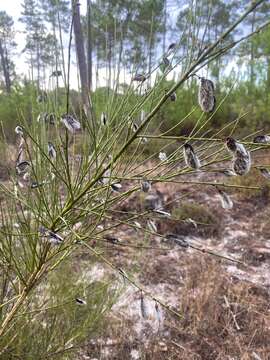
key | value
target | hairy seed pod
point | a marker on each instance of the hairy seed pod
(226, 201)
(139, 78)
(146, 186)
(228, 172)
(173, 96)
(103, 119)
(191, 159)
(116, 187)
(206, 95)
(241, 164)
(162, 156)
(51, 151)
(111, 239)
(262, 139)
(80, 301)
(162, 212)
(171, 46)
(152, 226)
(54, 238)
(22, 167)
(144, 311)
(165, 61)
(70, 123)
(19, 130)
(265, 172)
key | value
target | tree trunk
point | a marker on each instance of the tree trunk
(5, 68)
(89, 45)
(79, 42)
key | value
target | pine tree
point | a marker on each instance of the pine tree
(7, 46)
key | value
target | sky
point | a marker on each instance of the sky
(14, 8)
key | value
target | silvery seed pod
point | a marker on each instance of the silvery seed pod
(51, 151)
(165, 61)
(54, 238)
(265, 173)
(56, 73)
(235, 147)
(116, 187)
(262, 139)
(171, 46)
(152, 226)
(80, 301)
(139, 78)
(103, 119)
(241, 164)
(145, 186)
(144, 311)
(42, 97)
(191, 221)
(153, 202)
(134, 127)
(111, 239)
(162, 156)
(70, 123)
(35, 184)
(22, 167)
(191, 159)
(228, 172)
(51, 118)
(162, 212)
(19, 130)
(226, 201)
(173, 96)
(177, 239)
(206, 95)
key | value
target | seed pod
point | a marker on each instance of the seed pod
(165, 61)
(134, 127)
(235, 147)
(191, 221)
(103, 119)
(19, 130)
(158, 313)
(116, 187)
(35, 184)
(180, 241)
(162, 212)
(56, 73)
(142, 117)
(206, 95)
(191, 159)
(54, 238)
(51, 151)
(265, 173)
(22, 167)
(42, 97)
(144, 311)
(228, 172)
(146, 186)
(173, 96)
(152, 226)
(162, 156)
(139, 78)
(226, 201)
(111, 239)
(262, 139)
(70, 123)
(241, 164)
(171, 46)
(80, 301)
